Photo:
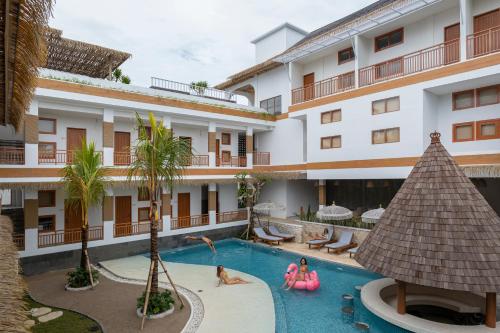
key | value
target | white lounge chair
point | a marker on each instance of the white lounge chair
(260, 234)
(344, 243)
(275, 232)
(319, 243)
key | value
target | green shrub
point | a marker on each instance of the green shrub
(80, 278)
(158, 303)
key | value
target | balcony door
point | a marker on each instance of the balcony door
(122, 148)
(451, 50)
(123, 215)
(74, 138)
(487, 20)
(308, 86)
(72, 222)
(184, 209)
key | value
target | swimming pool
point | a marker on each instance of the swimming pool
(296, 311)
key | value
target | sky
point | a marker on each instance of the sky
(189, 40)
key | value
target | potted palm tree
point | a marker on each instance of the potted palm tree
(84, 183)
(159, 161)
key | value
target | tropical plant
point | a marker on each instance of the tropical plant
(84, 182)
(160, 161)
(199, 86)
(158, 303)
(117, 75)
(80, 277)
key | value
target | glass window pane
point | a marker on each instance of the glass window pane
(336, 115)
(277, 105)
(464, 100)
(336, 141)
(378, 107)
(382, 42)
(464, 132)
(392, 135)
(488, 130)
(396, 37)
(326, 117)
(378, 136)
(46, 223)
(326, 143)
(488, 96)
(143, 214)
(393, 104)
(46, 126)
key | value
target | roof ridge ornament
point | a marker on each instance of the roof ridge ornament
(435, 137)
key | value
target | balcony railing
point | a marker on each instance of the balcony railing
(68, 236)
(11, 155)
(189, 221)
(193, 90)
(58, 157)
(261, 158)
(233, 161)
(323, 88)
(198, 160)
(128, 229)
(123, 158)
(431, 57)
(237, 215)
(483, 42)
(18, 239)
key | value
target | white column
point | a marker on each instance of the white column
(250, 153)
(108, 152)
(212, 128)
(212, 203)
(167, 122)
(31, 149)
(465, 26)
(31, 232)
(108, 223)
(166, 200)
(322, 193)
(361, 52)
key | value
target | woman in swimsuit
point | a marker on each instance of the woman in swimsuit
(207, 240)
(224, 277)
(301, 274)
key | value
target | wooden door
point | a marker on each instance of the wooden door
(487, 20)
(122, 148)
(184, 209)
(74, 138)
(217, 152)
(451, 50)
(486, 40)
(123, 215)
(189, 142)
(72, 222)
(308, 86)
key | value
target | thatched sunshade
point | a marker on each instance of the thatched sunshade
(267, 207)
(373, 215)
(438, 231)
(334, 213)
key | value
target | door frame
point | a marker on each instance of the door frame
(184, 221)
(69, 158)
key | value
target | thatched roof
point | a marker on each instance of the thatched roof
(438, 230)
(77, 57)
(12, 290)
(22, 50)
(248, 73)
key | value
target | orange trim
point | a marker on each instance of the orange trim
(495, 122)
(455, 126)
(282, 116)
(135, 97)
(453, 69)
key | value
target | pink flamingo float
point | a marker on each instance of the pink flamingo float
(311, 281)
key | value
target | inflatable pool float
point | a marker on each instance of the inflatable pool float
(310, 283)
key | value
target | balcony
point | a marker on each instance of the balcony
(232, 161)
(11, 155)
(189, 221)
(129, 229)
(68, 236)
(323, 88)
(261, 158)
(123, 158)
(483, 42)
(234, 216)
(189, 89)
(57, 157)
(419, 61)
(18, 240)
(198, 160)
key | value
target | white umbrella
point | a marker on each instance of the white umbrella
(267, 207)
(372, 216)
(334, 212)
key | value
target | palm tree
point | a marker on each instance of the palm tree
(160, 159)
(84, 182)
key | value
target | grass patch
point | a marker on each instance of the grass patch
(70, 321)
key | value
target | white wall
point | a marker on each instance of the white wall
(198, 135)
(284, 142)
(270, 46)
(483, 6)
(228, 197)
(195, 198)
(273, 83)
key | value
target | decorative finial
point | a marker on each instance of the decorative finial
(435, 137)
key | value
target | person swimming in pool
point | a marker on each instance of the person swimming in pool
(207, 240)
(224, 277)
(302, 274)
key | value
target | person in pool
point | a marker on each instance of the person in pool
(301, 274)
(207, 240)
(224, 277)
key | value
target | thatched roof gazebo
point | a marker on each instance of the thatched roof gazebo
(438, 231)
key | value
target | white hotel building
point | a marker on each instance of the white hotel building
(339, 114)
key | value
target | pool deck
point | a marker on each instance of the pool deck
(234, 308)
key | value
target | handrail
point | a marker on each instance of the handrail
(324, 87)
(261, 158)
(11, 155)
(232, 216)
(483, 42)
(68, 236)
(136, 228)
(189, 221)
(121, 158)
(58, 157)
(233, 161)
(18, 239)
(189, 89)
(198, 160)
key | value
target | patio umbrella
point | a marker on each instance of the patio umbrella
(333, 212)
(266, 208)
(372, 216)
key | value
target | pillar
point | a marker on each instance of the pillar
(212, 203)
(31, 136)
(212, 134)
(166, 203)
(249, 147)
(31, 220)
(361, 49)
(108, 215)
(167, 122)
(108, 135)
(465, 26)
(401, 296)
(490, 319)
(322, 193)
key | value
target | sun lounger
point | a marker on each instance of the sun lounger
(344, 243)
(321, 242)
(260, 234)
(275, 232)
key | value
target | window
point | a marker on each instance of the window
(463, 100)
(389, 39)
(47, 223)
(388, 135)
(47, 198)
(46, 126)
(488, 129)
(385, 105)
(330, 142)
(143, 214)
(47, 150)
(463, 132)
(272, 105)
(226, 156)
(346, 55)
(331, 116)
(487, 95)
(226, 138)
(142, 194)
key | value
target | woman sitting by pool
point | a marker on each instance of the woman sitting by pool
(224, 277)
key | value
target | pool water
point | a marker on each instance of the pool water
(296, 311)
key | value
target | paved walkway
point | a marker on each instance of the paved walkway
(236, 308)
(112, 304)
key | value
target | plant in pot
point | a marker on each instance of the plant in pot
(159, 304)
(199, 87)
